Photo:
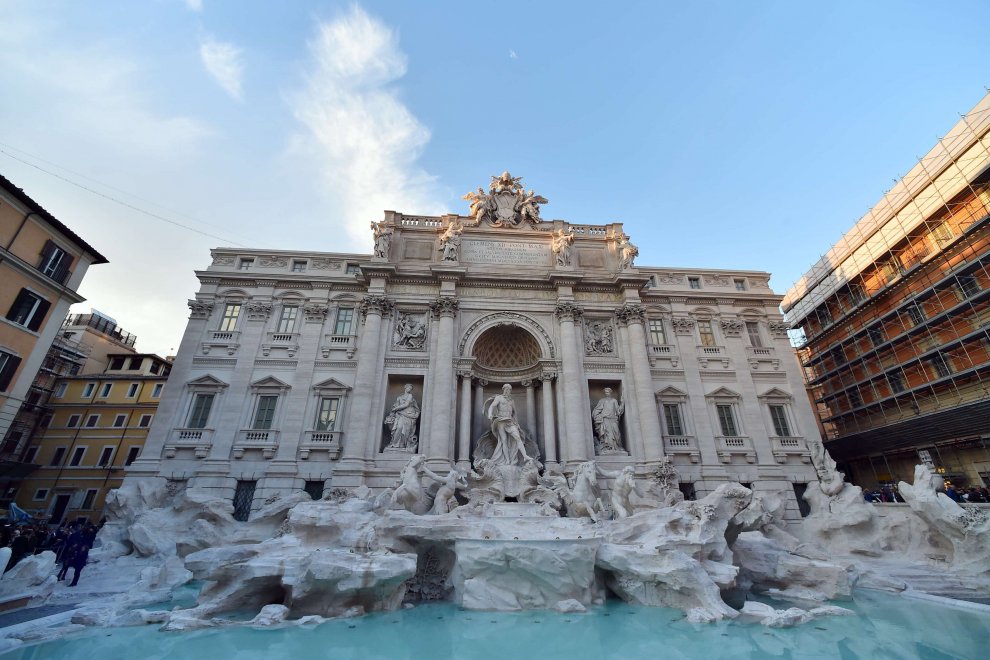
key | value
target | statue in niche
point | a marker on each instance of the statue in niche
(450, 241)
(599, 338)
(509, 446)
(627, 253)
(401, 421)
(410, 332)
(562, 247)
(606, 417)
(622, 490)
(410, 494)
(383, 239)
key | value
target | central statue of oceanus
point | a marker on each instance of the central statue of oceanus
(506, 204)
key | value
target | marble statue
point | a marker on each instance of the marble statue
(627, 253)
(606, 417)
(506, 204)
(450, 241)
(505, 182)
(401, 421)
(599, 338)
(481, 207)
(562, 247)
(410, 494)
(582, 499)
(509, 446)
(528, 206)
(445, 500)
(622, 489)
(410, 332)
(383, 239)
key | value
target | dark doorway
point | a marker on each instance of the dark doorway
(243, 497)
(61, 504)
(803, 506)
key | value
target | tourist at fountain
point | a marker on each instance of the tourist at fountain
(78, 561)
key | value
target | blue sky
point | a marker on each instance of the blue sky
(723, 134)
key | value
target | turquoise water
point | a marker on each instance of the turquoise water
(889, 627)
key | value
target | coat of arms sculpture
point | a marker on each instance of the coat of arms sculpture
(506, 204)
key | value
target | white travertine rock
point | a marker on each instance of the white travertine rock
(270, 615)
(569, 606)
(765, 564)
(29, 574)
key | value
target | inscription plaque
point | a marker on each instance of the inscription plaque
(509, 253)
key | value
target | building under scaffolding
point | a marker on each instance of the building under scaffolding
(893, 323)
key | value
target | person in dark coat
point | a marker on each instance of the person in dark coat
(68, 553)
(78, 562)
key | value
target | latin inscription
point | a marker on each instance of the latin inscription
(507, 253)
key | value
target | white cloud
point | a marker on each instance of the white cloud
(364, 140)
(223, 61)
(512, 55)
(195, 5)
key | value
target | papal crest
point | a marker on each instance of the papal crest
(506, 204)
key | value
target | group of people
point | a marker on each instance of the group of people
(70, 542)
(973, 494)
(887, 493)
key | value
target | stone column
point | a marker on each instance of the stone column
(464, 433)
(574, 447)
(634, 317)
(530, 408)
(634, 436)
(359, 437)
(549, 437)
(439, 447)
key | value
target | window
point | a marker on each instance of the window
(740, 285)
(117, 364)
(889, 269)
(824, 316)
(92, 421)
(135, 364)
(200, 413)
(243, 497)
(89, 499)
(41, 494)
(55, 262)
(896, 381)
(298, 266)
(105, 390)
(855, 400)
(939, 365)
(264, 413)
(132, 390)
(352, 269)
(8, 365)
(57, 456)
(73, 422)
(155, 368)
(145, 421)
(672, 418)
(657, 335)
(968, 286)
(753, 331)
(60, 390)
(46, 421)
(838, 355)
(856, 294)
(326, 414)
(942, 234)
(314, 489)
(246, 264)
(77, 456)
(157, 391)
(345, 319)
(876, 335)
(30, 455)
(287, 322)
(119, 421)
(105, 457)
(705, 333)
(88, 390)
(726, 421)
(28, 310)
(132, 455)
(694, 282)
(778, 415)
(230, 314)
(915, 314)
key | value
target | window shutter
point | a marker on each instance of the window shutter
(61, 273)
(18, 302)
(46, 252)
(39, 315)
(7, 373)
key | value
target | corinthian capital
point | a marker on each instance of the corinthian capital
(380, 305)
(568, 311)
(445, 306)
(199, 309)
(630, 313)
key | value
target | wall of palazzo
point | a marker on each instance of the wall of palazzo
(292, 363)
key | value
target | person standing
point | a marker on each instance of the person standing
(78, 562)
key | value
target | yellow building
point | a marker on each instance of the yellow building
(98, 426)
(42, 263)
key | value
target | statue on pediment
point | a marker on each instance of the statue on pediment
(627, 253)
(482, 206)
(450, 241)
(562, 247)
(383, 239)
(506, 204)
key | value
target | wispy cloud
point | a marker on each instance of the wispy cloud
(512, 55)
(365, 141)
(223, 61)
(195, 5)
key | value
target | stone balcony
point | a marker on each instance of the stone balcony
(197, 440)
(728, 446)
(762, 357)
(289, 341)
(785, 446)
(328, 441)
(265, 440)
(658, 352)
(712, 355)
(682, 445)
(225, 340)
(347, 343)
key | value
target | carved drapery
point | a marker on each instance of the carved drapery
(599, 337)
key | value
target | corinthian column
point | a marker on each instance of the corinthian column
(439, 445)
(634, 318)
(549, 437)
(464, 432)
(574, 445)
(360, 440)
